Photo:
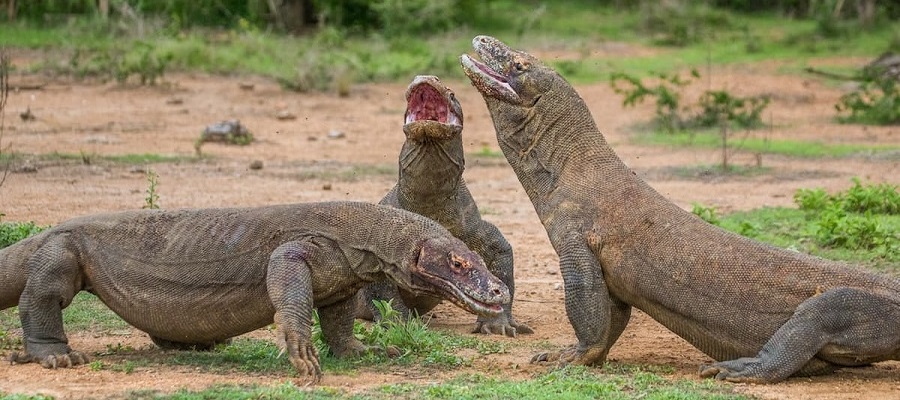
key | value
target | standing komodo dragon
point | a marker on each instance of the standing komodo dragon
(431, 184)
(772, 313)
(198, 277)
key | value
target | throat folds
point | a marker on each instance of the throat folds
(430, 169)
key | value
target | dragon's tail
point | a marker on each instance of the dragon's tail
(13, 269)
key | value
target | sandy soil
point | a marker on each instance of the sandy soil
(301, 162)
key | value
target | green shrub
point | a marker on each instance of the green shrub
(877, 199)
(875, 102)
(812, 199)
(11, 232)
(850, 219)
(838, 228)
(718, 104)
(715, 106)
(707, 214)
(666, 92)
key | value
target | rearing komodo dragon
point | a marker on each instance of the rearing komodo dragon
(198, 277)
(770, 313)
(431, 184)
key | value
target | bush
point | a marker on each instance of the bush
(877, 199)
(875, 102)
(707, 214)
(11, 232)
(746, 112)
(849, 219)
(812, 199)
(715, 106)
(838, 228)
(666, 92)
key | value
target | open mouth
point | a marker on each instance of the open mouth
(426, 103)
(487, 80)
(461, 299)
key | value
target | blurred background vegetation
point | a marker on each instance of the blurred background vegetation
(328, 45)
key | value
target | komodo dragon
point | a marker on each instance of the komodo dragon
(198, 277)
(431, 184)
(771, 313)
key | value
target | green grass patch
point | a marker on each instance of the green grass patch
(135, 158)
(90, 158)
(564, 383)
(342, 172)
(324, 58)
(793, 229)
(793, 148)
(488, 153)
(287, 391)
(19, 396)
(417, 344)
(860, 225)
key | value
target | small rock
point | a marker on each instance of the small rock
(312, 138)
(335, 134)
(27, 115)
(256, 165)
(552, 271)
(557, 286)
(137, 170)
(27, 169)
(246, 86)
(174, 101)
(285, 115)
(326, 186)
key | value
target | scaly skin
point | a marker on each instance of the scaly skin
(192, 278)
(431, 184)
(772, 313)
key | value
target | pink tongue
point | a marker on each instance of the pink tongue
(427, 104)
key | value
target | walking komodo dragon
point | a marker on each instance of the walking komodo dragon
(431, 184)
(764, 313)
(198, 277)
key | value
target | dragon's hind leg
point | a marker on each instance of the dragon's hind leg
(841, 327)
(53, 279)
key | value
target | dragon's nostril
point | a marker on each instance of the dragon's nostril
(496, 291)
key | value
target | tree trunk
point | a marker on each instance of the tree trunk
(103, 6)
(11, 10)
(291, 15)
(865, 10)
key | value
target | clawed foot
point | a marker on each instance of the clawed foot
(358, 349)
(53, 361)
(305, 360)
(742, 370)
(302, 355)
(575, 355)
(501, 326)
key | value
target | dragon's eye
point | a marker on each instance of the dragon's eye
(520, 67)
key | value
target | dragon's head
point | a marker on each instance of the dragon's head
(445, 268)
(509, 76)
(432, 111)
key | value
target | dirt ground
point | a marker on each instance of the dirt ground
(346, 149)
